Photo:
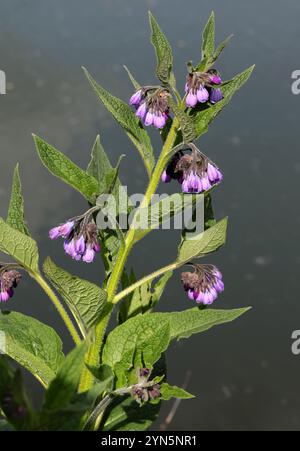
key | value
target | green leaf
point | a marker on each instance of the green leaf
(101, 169)
(207, 63)
(127, 415)
(15, 216)
(71, 417)
(209, 218)
(138, 342)
(204, 117)
(195, 320)
(128, 120)
(110, 245)
(104, 375)
(132, 79)
(64, 386)
(162, 211)
(159, 288)
(85, 299)
(163, 52)
(99, 164)
(62, 167)
(219, 50)
(206, 242)
(32, 344)
(171, 391)
(112, 177)
(208, 37)
(19, 246)
(13, 398)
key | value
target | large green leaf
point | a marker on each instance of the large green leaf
(206, 242)
(72, 416)
(32, 344)
(62, 167)
(195, 320)
(64, 386)
(162, 211)
(203, 117)
(128, 120)
(163, 52)
(15, 216)
(85, 299)
(125, 416)
(19, 246)
(138, 342)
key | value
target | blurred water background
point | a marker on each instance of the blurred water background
(244, 374)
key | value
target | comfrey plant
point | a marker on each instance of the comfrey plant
(115, 378)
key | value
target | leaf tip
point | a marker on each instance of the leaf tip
(85, 71)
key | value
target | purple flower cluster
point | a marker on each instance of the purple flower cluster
(204, 284)
(9, 279)
(80, 238)
(145, 389)
(151, 102)
(151, 106)
(195, 172)
(201, 87)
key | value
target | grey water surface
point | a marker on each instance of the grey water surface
(244, 374)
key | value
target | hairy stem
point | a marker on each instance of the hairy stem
(59, 307)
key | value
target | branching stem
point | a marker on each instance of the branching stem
(94, 353)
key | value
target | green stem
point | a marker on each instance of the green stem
(59, 307)
(93, 355)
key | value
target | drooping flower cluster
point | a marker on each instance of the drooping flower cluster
(204, 284)
(80, 237)
(9, 279)
(201, 87)
(151, 106)
(195, 171)
(145, 389)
